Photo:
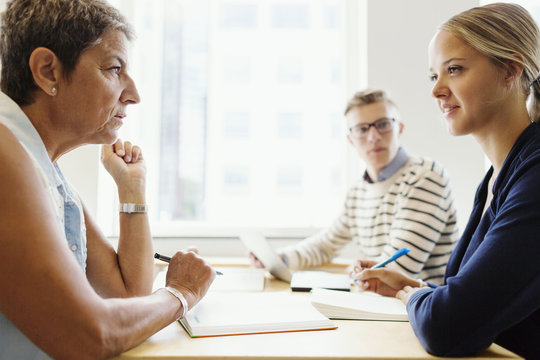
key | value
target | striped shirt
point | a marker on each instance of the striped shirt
(414, 208)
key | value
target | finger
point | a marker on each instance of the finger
(355, 268)
(367, 273)
(382, 275)
(365, 285)
(136, 153)
(186, 256)
(401, 295)
(128, 155)
(365, 264)
(118, 148)
(193, 249)
(358, 281)
(255, 261)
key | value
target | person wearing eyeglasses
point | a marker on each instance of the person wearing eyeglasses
(402, 201)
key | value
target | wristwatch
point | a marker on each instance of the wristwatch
(130, 208)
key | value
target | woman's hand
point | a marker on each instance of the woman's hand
(356, 267)
(254, 261)
(405, 294)
(125, 162)
(190, 274)
(383, 281)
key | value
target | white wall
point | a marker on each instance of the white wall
(80, 167)
(398, 36)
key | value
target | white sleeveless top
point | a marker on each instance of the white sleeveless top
(66, 205)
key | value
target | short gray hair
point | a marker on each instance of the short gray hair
(66, 27)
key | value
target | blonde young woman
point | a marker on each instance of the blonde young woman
(484, 64)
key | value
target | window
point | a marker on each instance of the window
(240, 120)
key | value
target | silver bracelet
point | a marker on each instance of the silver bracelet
(180, 298)
(130, 208)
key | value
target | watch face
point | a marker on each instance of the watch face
(133, 208)
(139, 208)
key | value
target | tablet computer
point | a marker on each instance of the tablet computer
(259, 246)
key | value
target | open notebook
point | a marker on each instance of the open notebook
(358, 305)
(235, 313)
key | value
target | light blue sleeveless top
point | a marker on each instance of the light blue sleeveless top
(13, 343)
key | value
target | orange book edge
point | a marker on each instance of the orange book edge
(254, 332)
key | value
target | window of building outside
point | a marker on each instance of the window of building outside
(241, 119)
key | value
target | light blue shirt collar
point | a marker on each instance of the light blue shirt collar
(401, 158)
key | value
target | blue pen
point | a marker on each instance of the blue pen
(394, 257)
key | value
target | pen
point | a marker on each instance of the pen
(167, 259)
(394, 257)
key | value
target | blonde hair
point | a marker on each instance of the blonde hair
(369, 96)
(500, 31)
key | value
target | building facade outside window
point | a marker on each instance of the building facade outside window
(241, 114)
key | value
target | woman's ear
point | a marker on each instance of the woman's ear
(513, 69)
(46, 70)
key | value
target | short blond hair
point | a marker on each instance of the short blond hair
(369, 96)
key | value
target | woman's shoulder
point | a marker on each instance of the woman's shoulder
(528, 143)
(11, 150)
(8, 139)
(526, 151)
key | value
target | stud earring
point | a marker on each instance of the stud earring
(53, 90)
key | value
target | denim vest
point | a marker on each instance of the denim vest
(66, 204)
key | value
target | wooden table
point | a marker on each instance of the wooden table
(352, 340)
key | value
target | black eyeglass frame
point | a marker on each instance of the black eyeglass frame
(374, 124)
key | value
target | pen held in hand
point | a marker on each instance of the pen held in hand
(394, 257)
(168, 259)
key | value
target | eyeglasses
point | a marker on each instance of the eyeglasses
(383, 125)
